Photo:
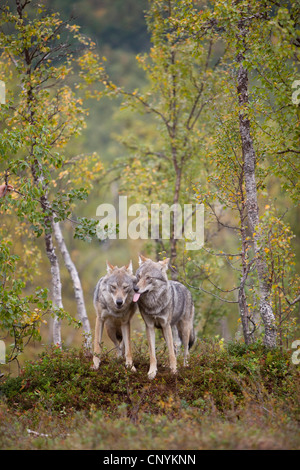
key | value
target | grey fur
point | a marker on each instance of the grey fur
(164, 304)
(111, 290)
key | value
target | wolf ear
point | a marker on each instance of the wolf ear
(142, 259)
(165, 263)
(109, 267)
(128, 267)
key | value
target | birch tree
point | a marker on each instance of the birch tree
(251, 187)
(182, 83)
(38, 55)
(78, 291)
(249, 29)
(248, 26)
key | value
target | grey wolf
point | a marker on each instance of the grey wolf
(114, 307)
(164, 304)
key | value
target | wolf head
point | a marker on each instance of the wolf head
(150, 275)
(119, 285)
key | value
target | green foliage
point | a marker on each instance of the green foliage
(43, 113)
(43, 117)
(247, 392)
(283, 276)
(225, 375)
(21, 315)
(181, 83)
(268, 39)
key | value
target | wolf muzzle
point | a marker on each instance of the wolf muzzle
(119, 303)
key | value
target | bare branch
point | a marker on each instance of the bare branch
(211, 293)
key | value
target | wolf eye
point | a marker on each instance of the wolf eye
(125, 287)
(113, 287)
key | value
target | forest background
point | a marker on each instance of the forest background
(113, 152)
(197, 103)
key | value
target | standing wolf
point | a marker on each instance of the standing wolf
(164, 304)
(113, 304)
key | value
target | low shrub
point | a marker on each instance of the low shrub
(217, 377)
(229, 397)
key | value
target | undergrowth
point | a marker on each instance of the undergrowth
(59, 393)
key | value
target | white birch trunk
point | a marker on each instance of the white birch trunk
(56, 287)
(50, 251)
(78, 292)
(249, 158)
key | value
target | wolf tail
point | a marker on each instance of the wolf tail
(192, 337)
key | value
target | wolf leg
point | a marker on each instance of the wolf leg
(176, 339)
(97, 341)
(186, 333)
(151, 341)
(169, 340)
(185, 342)
(122, 348)
(115, 335)
(126, 341)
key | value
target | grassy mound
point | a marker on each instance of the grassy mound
(60, 394)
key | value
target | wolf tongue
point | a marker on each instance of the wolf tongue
(136, 297)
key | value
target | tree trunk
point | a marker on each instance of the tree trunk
(78, 292)
(56, 287)
(174, 222)
(242, 300)
(38, 177)
(249, 159)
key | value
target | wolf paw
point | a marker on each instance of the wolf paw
(96, 362)
(131, 367)
(152, 374)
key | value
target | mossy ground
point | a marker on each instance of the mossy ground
(230, 397)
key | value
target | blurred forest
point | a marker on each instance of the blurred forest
(122, 143)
